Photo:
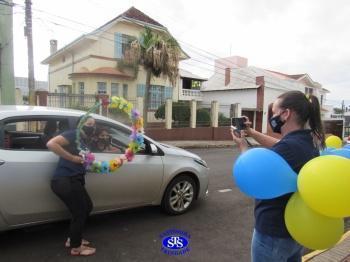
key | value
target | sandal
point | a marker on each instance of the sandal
(83, 251)
(83, 242)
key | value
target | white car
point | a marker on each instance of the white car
(159, 174)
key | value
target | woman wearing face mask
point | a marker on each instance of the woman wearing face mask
(68, 183)
(297, 118)
(102, 142)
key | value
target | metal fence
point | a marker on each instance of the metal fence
(347, 131)
(224, 115)
(181, 114)
(74, 101)
(203, 114)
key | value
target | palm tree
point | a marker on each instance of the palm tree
(159, 55)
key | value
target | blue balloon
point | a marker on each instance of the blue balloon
(341, 152)
(264, 174)
(346, 146)
(326, 151)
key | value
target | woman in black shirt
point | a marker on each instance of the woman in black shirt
(297, 118)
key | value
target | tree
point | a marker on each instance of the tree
(159, 55)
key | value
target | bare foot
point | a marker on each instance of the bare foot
(83, 242)
(83, 251)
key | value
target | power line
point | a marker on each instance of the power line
(193, 48)
(104, 31)
(201, 62)
(114, 41)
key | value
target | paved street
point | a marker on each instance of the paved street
(220, 227)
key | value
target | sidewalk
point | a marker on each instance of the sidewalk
(206, 143)
(340, 252)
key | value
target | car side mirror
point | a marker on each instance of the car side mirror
(154, 149)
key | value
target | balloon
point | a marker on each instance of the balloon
(310, 228)
(263, 174)
(326, 151)
(347, 146)
(334, 141)
(341, 152)
(324, 184)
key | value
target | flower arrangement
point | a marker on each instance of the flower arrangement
(136, 138)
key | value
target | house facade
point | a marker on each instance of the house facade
(95, 63)
(190, 86)
(253, 88)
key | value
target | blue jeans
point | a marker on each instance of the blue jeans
(267, 248)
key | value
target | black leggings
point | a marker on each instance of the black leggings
(71, 191)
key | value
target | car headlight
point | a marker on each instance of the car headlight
(201, 162)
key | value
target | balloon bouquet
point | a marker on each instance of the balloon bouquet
(314, 213)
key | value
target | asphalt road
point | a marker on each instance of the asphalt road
(220, 227)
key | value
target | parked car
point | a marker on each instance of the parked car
(159, 174)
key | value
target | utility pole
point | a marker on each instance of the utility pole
(29, 35)
(7, 84)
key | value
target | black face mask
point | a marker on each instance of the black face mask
(88, 130)
(276, 123)
(104, 141)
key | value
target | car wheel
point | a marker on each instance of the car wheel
(179, 195)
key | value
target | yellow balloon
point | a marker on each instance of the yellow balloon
(324, 185)
(310, 228)
(334, 142)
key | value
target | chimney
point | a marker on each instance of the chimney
(53, 46)
(227, 75)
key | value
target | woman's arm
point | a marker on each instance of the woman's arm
(264, 140)
(56, 145)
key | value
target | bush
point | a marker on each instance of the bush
(203, 116)
(182, 113)
(223, 120)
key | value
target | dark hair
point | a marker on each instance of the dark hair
(307, 109)
(100, 130)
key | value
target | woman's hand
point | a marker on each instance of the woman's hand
(248, 126)
(239, 139)
(77, 160)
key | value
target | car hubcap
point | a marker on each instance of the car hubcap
(181, 196)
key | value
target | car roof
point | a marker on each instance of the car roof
(19, 110)
(14, 110)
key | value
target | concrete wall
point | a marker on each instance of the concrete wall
(246, 97)
(187, 133)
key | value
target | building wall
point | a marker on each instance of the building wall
(246, 97)
(60, 69)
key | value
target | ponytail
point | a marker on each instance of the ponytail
(308, 110)
(315, 121)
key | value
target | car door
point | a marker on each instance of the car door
(135, 183)
(26, 169)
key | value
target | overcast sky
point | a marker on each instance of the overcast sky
(292, 37)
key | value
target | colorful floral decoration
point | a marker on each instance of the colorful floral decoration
(136, 138)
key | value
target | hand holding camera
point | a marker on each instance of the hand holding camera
(238, 124)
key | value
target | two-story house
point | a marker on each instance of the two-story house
(95, 63)
(253, 88)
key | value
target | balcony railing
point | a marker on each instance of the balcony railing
(188, 94)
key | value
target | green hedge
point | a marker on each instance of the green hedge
(182, 113)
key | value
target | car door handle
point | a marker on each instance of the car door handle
(2, 162)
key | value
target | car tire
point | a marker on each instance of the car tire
(179, 195)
